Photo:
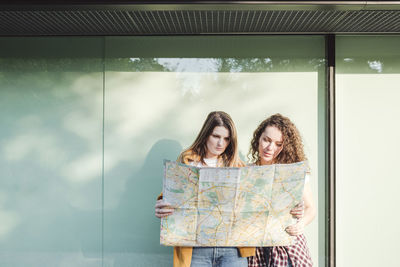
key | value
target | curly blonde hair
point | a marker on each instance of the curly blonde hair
(292, 151)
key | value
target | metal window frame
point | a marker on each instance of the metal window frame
(330, 173)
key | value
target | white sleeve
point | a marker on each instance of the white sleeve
(307, 178)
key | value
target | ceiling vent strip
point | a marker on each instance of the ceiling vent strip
(172, 22)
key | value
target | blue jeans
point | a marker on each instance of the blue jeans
(217, 257)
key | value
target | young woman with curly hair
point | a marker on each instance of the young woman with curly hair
(215, 146)
(277, 141)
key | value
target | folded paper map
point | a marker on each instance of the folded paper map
(238, 207)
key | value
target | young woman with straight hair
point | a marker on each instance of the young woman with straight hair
(214, 146)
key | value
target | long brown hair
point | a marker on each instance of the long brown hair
(292, 150)
(198, 150)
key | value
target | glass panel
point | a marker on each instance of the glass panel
(159, 91)
(51, 95)
(367, 81)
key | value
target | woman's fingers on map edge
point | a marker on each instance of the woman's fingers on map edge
(163, 213)
(162, 204)
(163, 209)
(295, 229)
(297, 215)
(298, 211)
(291, 232)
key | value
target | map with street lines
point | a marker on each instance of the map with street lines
(239, 207)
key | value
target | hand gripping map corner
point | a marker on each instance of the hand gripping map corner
(239, 207)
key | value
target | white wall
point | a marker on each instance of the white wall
(368, 145)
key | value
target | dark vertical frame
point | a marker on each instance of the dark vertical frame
(330, 153)
(103, 148)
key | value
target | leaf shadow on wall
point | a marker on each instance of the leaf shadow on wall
(132, 225)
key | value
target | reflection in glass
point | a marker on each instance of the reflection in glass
(156, 100)
(157, 91)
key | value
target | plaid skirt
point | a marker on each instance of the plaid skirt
(298, 255)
